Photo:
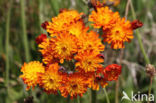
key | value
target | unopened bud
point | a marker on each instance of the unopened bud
(150, 70)
(136, 24)
(44, 25)
(41, 38)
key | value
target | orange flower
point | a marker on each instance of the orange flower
(56, 49)
(47, 50)
(50, 81)
(90, 42)
(74, 85)
(77, 29)
(88, 61)
(120, 33)
(30, 71)
(104, 17)
(65, 46)
(63, 21)
(112, 72)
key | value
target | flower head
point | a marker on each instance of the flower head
(47, 50)
(121, 32)
(30, 71)
(90, 42)
(74, 85)
(50, 81)
(103, 17)
(88, 61)
(63, 21)
(112, 72)
(65, 46)
(77, 29)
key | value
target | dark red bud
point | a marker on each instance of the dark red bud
(62, 10)
(136, 24)
(41, 38)
(44, 25)
(101, 55)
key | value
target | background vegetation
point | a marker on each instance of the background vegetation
(20, 22)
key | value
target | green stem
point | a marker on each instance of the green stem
(41, 5)
(55, 6)
(25, 39)
(68, 99)
(107, 98)
(78, 99)
(150, 87)
(142, 47)
(93, 96)
(7, 46)
(138, 37)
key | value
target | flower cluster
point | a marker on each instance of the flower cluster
(72, 58)
(116, 30)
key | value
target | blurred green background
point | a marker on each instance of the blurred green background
(20, 21)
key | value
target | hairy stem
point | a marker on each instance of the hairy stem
(142, 47)
(25, 39)
(138, 36)
(150, 87)
(78, 99)
(7, 47)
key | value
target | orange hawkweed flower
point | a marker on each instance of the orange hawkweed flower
(88, 61)
(56, 49)
(47, 50)
(90, 42)
(112, 72)
(103, 17)
(74, 85)
(65, 46)
(50, 81)
(121, 32)
(30, 71)
(63, 21)
(77, 29)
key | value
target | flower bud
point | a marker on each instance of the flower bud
(150, 70)
(136, 24)
(41, 38)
